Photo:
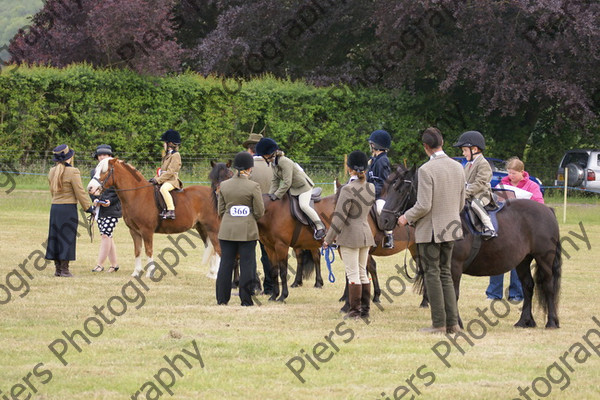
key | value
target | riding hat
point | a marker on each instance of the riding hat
(62, 153)
(243, 160)
(171, 136)
(358, 161)
(252, 139)
(470, 139)
(103, 149)
(266, 146)
(380, 139)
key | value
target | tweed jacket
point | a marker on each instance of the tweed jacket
(169, 170)
(440, 198)
(349, 225)
(262, 174)
(244, 196)
(479, 175)
(287, 175)
(72, 189)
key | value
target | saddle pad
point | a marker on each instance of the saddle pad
(473, 222)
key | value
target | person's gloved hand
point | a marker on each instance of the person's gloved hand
(90, 210)
(153, 181)
(273, 197)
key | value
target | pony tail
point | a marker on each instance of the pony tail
(361, 175)
(56, 184)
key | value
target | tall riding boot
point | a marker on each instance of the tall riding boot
(354, 295)
(64, 272)
(365, 300)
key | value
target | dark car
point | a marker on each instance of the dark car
(498, 170)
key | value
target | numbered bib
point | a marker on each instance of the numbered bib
(239, 211)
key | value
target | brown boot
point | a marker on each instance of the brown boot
(56, 268)
(365, 300)
(64, 270)
(354, 294)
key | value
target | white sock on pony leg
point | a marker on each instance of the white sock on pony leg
(151, 268)
(137, 271)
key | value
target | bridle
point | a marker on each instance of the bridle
(404, 203)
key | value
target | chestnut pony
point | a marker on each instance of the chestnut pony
(195, 207)
(527, 231)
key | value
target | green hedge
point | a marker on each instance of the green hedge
(42, 107)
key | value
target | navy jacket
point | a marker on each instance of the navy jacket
(379, 169)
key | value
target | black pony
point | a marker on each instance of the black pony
(527, 230)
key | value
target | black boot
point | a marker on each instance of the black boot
(365, 300)
(388, 241)
(64, 270)
(354, 295)
(57, 268)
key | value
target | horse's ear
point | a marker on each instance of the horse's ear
(413, 169)
(229, 163)
(212, 163)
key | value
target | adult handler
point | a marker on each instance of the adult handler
(436, 214)
(263, 175)
(240, 205)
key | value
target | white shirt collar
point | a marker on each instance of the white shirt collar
(436, 154)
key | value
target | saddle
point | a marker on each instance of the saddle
(297, 212)
(160, 201)
(474, 223)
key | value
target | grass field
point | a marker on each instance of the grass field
(244, 351)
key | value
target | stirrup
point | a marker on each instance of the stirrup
(319, 234)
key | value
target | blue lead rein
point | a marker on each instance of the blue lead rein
(329, 254)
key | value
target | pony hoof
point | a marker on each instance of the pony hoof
(296, 284)
(318, 286)
(150, 274)
(376, 299)
(525, 325)
(273, 298)
(135, 274)
(281, 299)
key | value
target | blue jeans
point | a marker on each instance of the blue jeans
(515, 290)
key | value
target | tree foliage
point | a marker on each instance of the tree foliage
(517, 70)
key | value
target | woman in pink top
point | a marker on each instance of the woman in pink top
(517, 176)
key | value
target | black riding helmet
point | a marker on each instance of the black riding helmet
(380, 139)
(266, 146)
(470, 139)
(358, 161)
(171, 136)
(243, 161)
(103, 149)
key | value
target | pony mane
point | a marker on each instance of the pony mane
(132, 170)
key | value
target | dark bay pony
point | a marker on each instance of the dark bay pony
(195, 208)
(527, 231)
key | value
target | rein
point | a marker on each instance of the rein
(329, 253)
